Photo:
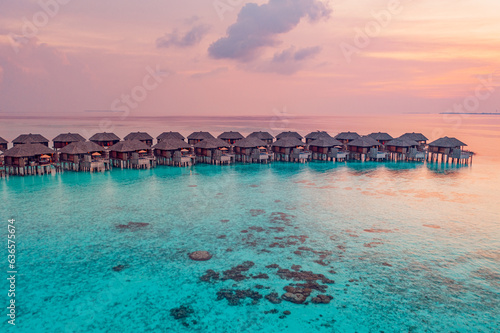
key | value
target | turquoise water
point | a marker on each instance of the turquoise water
(411, 247)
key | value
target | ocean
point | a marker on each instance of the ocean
(396, 247)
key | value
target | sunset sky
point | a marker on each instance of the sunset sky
(231, 57)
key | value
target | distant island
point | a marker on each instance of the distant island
(476, 113)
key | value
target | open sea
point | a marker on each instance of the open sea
(400, 247)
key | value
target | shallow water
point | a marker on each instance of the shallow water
(414, 247)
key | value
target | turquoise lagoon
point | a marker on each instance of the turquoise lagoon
(412, 247)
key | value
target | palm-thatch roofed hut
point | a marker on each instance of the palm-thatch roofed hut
(131, 154)
(264, 136)
(449, 148)
(128, 146)
(3, 144)
(171, 144)
(83, 156)
(363, 144)
(105, 139)
(167, 149)
(30, 138)
(289, 134)
(419, 137)
(316, 135)
(65, 139)
(381, 137)
(251, 149)
(288, 142)
(141, 136)
(22, 154)
(290, 148)
(322, 144)
(196, 137)
(81, 148)
(230, 137)
(211, 151)
(447, 142)
(346, 137)
(170, 135)
(250, 142)
(211, 143)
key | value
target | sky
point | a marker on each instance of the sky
(245, 58)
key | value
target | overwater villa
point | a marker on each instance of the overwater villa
(290, 149)
(252, 150)
(231, 137)
(62, 140)
(141, 136)
(403, 150)
(83, 156)
(326, 149)
(419, 137)
(3, 144)
(316, 135)
(264, 136)
(105, 139)
(170, 135)
(28, 159)
(381, 137)
(133, 154)
(289, 134)
(173, 151)
(196, 137)
(449, 148)
(346, 137)
(30, 138)
(364, 148)
(106, 150)
(213, 151)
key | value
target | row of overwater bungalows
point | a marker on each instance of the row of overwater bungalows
(31, 154)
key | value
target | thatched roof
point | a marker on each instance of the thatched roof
(402, 143)
(172, 144)
(364, 141)
(128, 146)
(2, 140)
(380, 136)
(28, 150)
(347, 136)
(68, 137)
(261, 135)
(252, 142)
(200, 136)
(79, 147)
(30, 138)
(211, 143)
(170, 135)
(414, 136)
(447, 142)
(141, 136)
(289, 134)
(325, 142)
(288, 142)
(317, 135)
(230, 136)
(104, 137)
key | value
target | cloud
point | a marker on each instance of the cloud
(290, 55)
(286, 62)
(190, 38)
(258, 25)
